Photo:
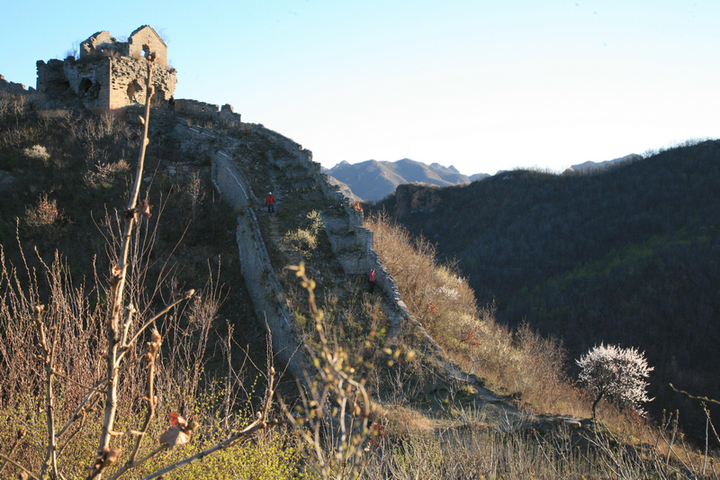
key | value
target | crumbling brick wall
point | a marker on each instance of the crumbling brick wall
(144, 40)
(110, 75)
(207, 110)
(14, 88)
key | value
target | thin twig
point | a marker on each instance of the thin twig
(144, 459)
(74, 434)
(118, 281)
(702, 399)
(16, 464)
(189, 294)
(20, 435)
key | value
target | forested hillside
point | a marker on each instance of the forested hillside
(630, 255)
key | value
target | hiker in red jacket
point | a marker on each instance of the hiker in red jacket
(270, 200)
(371, 280)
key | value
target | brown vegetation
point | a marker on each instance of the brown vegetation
(523, 364)
(381, 414)
(85, 375)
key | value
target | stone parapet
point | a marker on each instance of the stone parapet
(207, 110)
(265, 289)
(15, 88)
(351, 242)
(229, 181)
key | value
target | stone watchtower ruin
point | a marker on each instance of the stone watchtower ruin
(109, 75)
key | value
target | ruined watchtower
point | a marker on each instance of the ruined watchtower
(109, 74)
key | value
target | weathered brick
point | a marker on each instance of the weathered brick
(110, 75)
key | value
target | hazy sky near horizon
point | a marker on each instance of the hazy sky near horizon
(483, 85)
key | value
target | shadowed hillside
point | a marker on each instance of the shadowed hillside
(629, 255)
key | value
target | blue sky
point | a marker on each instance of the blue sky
(483, 85)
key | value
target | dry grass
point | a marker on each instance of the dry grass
(401, 421)
(520, 363)
(77, 320)
(524, 364)
(469, 448)
(44, 214)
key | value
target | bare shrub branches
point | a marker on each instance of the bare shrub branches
(334, 419)
(44, 214)
(92, 368)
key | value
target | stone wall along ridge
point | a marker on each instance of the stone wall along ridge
(351, 242)
(226, 114)
(265, 289)
(343, 229)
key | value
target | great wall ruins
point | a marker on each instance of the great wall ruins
(107, 78)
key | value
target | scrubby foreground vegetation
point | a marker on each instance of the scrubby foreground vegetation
(84, 391)
(371, 408)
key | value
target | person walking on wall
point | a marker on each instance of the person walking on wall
(270, 201)
(371, 280)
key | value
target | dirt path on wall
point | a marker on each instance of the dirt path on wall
(265, 289)
(274, 224)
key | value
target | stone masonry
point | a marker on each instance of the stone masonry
(109, 75)
(225, 114)
(351, 242)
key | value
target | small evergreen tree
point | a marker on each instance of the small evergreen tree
(618, 373)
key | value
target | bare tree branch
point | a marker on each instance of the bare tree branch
(13, 462)
(702, 399)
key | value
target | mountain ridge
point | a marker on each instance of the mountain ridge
(373, 180)
(589, 167)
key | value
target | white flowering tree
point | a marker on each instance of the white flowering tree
(617, 373)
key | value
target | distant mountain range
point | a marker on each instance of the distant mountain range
(593, 166)
(373, 180)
